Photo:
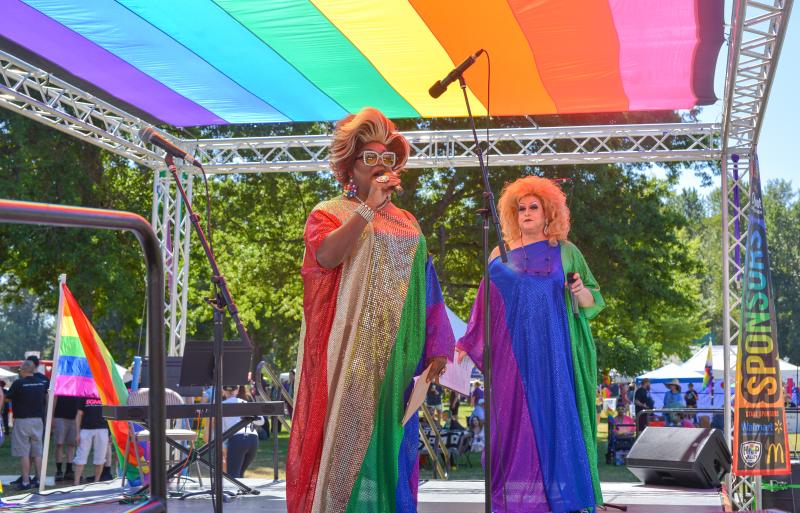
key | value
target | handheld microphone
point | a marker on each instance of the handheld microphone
(149, 135)
(398, 189)
(438, 88)
(570, 280)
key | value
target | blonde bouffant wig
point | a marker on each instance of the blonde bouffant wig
(552, 199)
(354, 131)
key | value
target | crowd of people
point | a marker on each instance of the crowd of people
(80, 432)
(461, 439)
(78, 429)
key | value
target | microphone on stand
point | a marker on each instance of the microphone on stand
(149, 135)
(440, 87)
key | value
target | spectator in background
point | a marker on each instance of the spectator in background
(36, 373)
(478, 440)
(92, 436)
(65, 433)
(478, 412)
(614, 389)
(434, 401)
(451, 422)
(630, 393)
(477, 393)
(454, 403)
(27, 395)
(243, 445)
(5, 408)
(673, 399)
(691, 397)
(642, 401)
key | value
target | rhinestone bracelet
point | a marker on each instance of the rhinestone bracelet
(364, 211)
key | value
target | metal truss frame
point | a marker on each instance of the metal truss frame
(666, 142)
(38, 95)
(758, 29)
(172, 224)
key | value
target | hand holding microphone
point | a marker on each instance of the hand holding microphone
(381, 191)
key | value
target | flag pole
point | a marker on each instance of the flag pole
(62, 279)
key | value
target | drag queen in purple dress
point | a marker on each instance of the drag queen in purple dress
(544, 456)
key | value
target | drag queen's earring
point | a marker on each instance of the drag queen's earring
(351, 189)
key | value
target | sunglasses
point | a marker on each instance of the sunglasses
(373, 158)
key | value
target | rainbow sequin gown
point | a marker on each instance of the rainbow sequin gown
(369, 324)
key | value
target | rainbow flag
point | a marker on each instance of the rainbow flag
(86, 369)
(708, 377)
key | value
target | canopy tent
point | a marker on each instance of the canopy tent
(6, 374)
(204, 62)
(661, 376)
(670, 372)
(459, 326)
(697, 363)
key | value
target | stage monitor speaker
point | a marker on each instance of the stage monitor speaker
(675, 456)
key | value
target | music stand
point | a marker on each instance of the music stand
(197, 368)
(173, 377)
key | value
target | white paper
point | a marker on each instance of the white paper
(456, 376)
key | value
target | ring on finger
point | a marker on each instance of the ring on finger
(382, 179)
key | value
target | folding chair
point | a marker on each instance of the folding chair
(140, 398)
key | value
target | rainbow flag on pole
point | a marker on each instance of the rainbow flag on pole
(708, 376)
(85, 369)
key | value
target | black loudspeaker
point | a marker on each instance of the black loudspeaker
(675, 456)
(783, 500)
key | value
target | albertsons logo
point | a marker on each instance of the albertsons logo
(750, 452)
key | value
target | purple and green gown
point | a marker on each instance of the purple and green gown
(368, 327)
(544, 369)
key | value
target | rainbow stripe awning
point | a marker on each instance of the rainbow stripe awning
(205, 62)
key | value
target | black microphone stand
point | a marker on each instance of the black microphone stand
(221, 301)
(488, 211)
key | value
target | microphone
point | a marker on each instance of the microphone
(440, 87)
(398, 189)
(149, 135)
(570, 280)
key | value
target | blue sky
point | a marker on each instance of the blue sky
(778, 142)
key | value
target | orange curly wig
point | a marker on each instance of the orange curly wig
(552, 198)
(354, 131)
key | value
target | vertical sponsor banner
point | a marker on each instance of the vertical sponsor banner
(760, 440)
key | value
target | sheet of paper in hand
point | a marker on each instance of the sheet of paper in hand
(456, 376)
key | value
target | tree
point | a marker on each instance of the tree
(23, 327)
(631, 235)
(782, 216)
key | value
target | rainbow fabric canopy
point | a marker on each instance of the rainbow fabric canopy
(205, 62)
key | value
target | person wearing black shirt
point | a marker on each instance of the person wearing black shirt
(6, 431)
(93, 435)
(36, 373)
(65, 433)
(434, 400)
(691, 397)
(27, 395)
(642, 401)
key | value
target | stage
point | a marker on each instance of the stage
(434, 497)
